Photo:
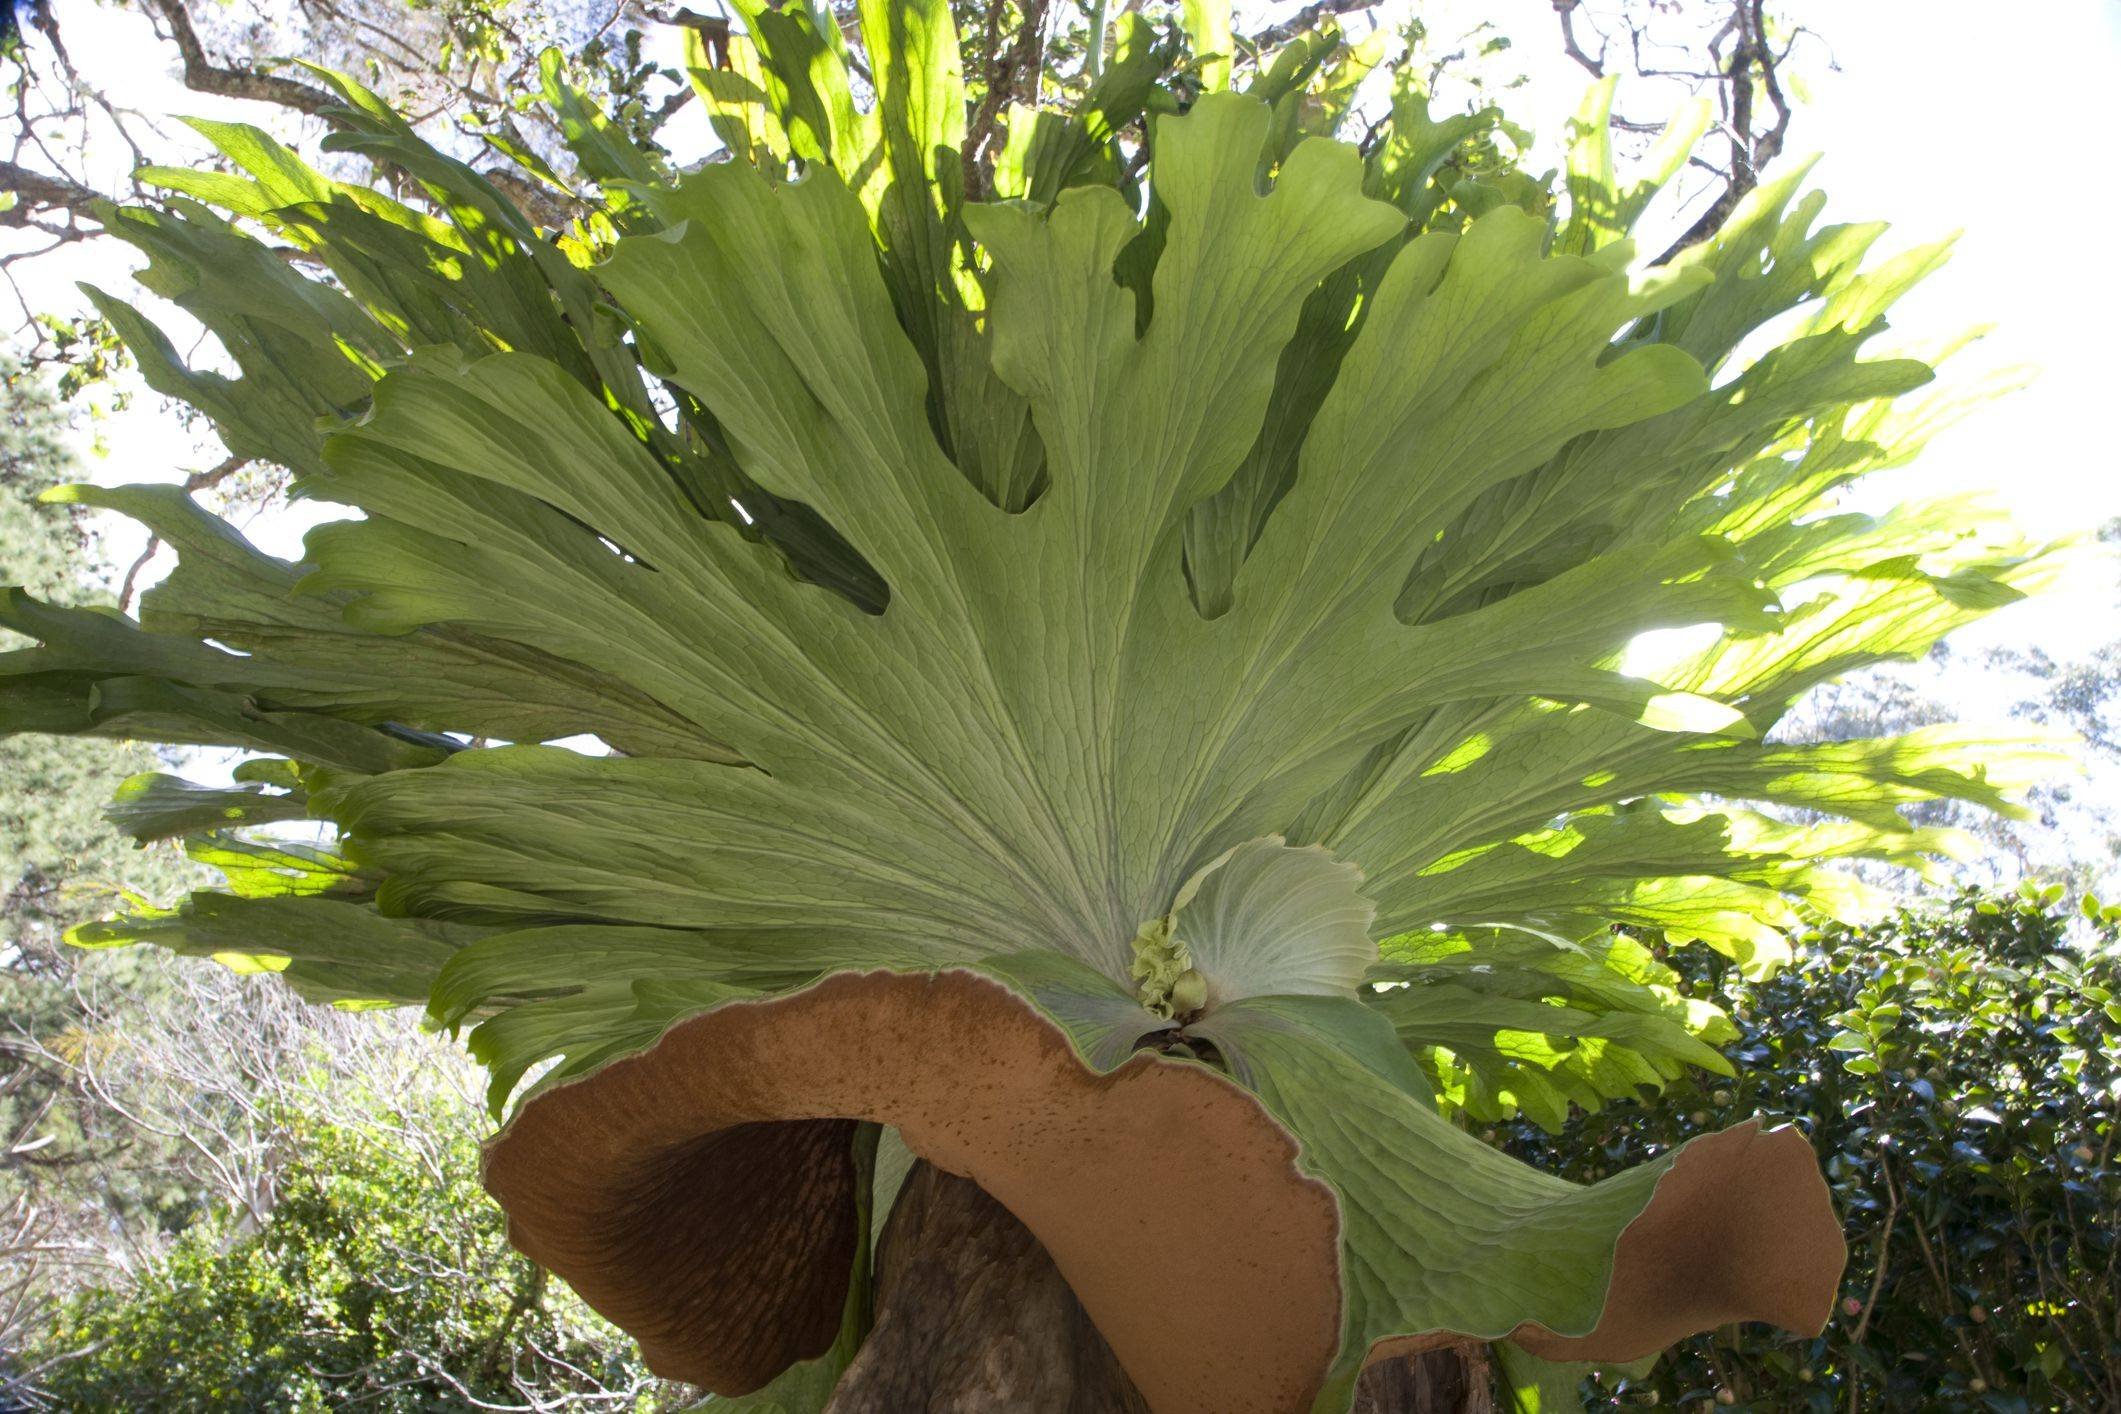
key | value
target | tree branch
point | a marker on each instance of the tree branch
(1012, 74)
(1565, 11)
(197, 481)
(1302, 22)
(36, 193)
(540, 203)
(1885, 1243)
(1752, 58)
(201, 75)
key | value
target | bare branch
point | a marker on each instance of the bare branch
(35, 193)
(670, 108)
(131, 583)
(215, 474)
(1565, 11)
(543, 205)
(197, 481)
(1302, 22)
(1753, 59)
(1884, 1249)
(201, 75)
(710, 26)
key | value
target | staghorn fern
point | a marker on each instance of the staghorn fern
(1179, 604)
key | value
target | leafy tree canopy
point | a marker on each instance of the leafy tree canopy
(382, 1281)
(1958, 1066)
(60, 861)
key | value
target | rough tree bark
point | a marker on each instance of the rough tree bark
(1454, 1379)
(973, 1318)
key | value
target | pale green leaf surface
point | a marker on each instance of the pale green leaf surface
(1535, 1386)
(1336, 1021)
(1269, 919)
(156, 806)
(1440, 1232)
(279, 869)
(1103, 1019)
(1208, 32)
(327, 949)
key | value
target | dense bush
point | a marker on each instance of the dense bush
(380, 1281)
(1958, 1069)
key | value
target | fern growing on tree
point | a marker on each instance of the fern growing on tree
(1115, 691)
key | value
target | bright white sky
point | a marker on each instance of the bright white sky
(1942, 116)
(1947, 117)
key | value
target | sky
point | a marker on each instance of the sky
(1934, 114)
(1944, 119)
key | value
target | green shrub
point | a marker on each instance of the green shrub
(381, 1281)
(1958, 1070)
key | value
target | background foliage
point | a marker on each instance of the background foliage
(382, 1281)
(73, 1172)
(213, 1195)
(1958, 1067)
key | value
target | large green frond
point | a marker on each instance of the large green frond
(1200, 589)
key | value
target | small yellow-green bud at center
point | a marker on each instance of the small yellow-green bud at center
(1162, 963)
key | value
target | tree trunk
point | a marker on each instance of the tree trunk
(973, 1318)
(1453, 1379)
